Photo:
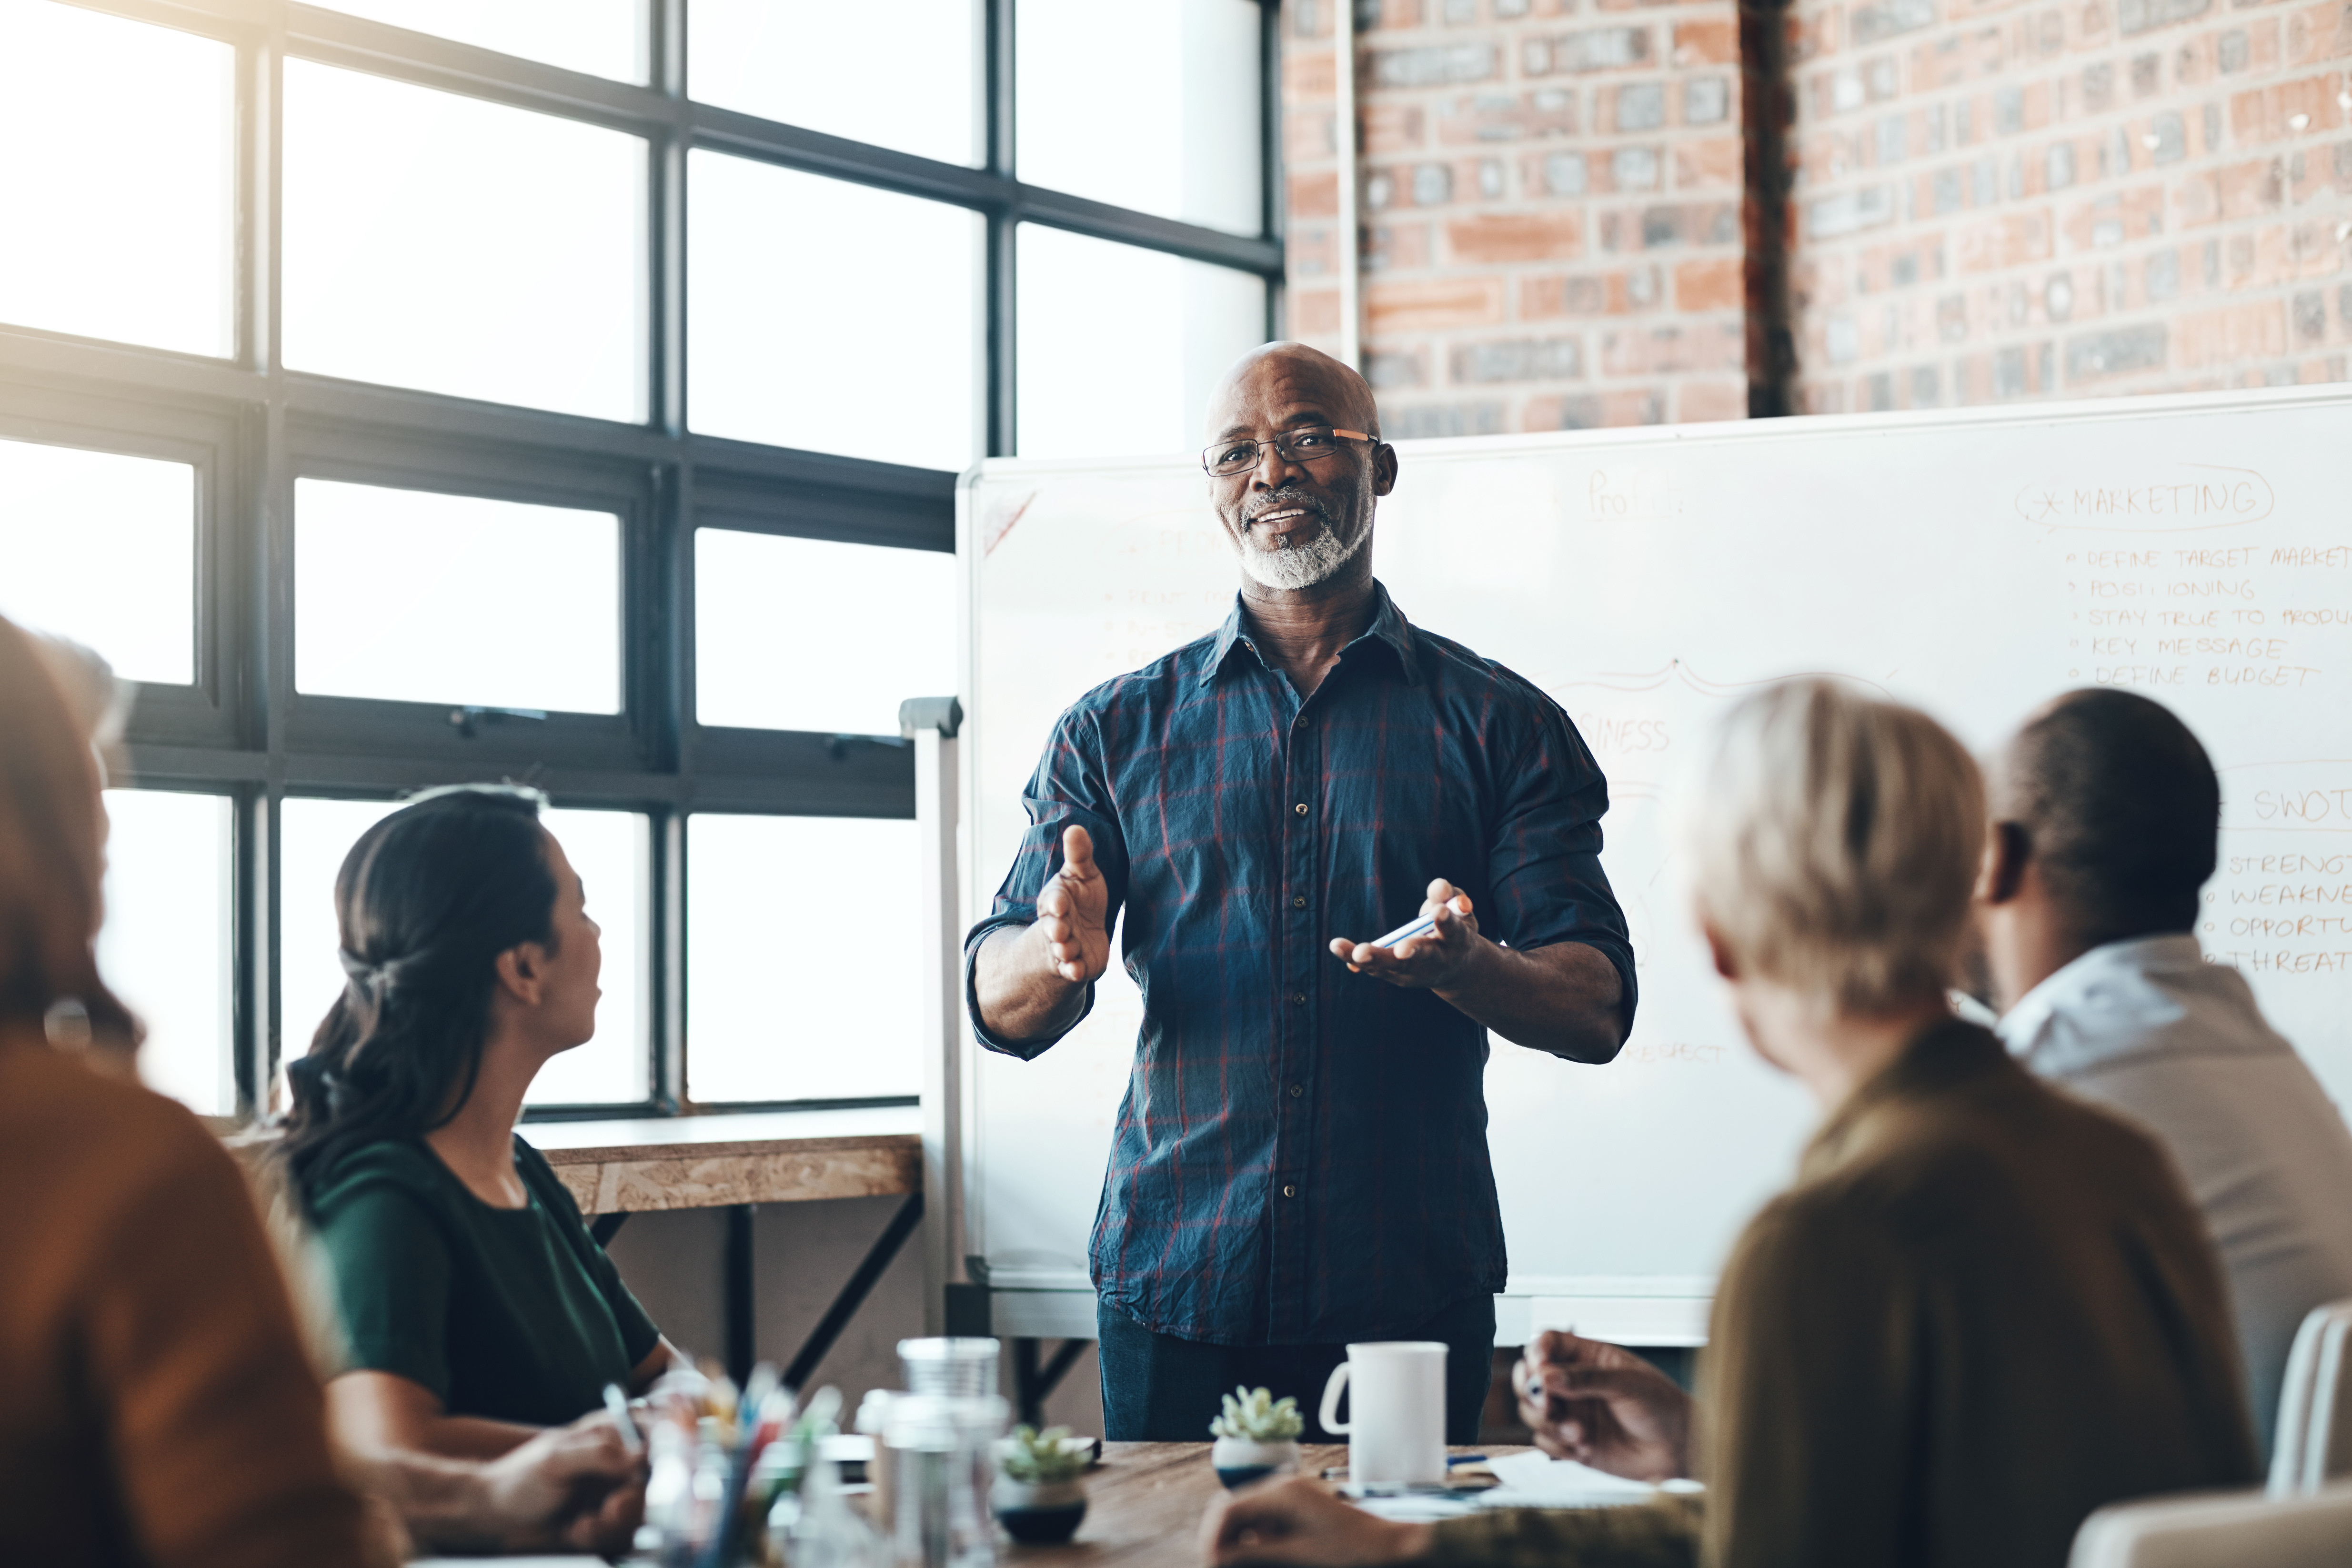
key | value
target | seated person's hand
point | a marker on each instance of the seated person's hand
(1602, 1406)
(574, 1488)
(1297, 1520)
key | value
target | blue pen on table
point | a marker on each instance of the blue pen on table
(618, 1403)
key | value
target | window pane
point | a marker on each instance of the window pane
(612, 852)
(765, 607)
(411, 596)
(1181, 139)
(121, 158)
(460, 247)
(166, 945)
(102, 547)
(829, 316)
(801, 995)
(818, 63)
(607, 848)
(602, 37)
(1173, 328)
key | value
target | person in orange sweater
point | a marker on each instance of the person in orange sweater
(160, 1409)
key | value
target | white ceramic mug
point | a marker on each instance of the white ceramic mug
(1396, 1427)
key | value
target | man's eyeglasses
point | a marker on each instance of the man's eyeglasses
(1301, 445)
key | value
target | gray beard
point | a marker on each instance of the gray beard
(1303, 565)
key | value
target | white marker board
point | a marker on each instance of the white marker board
(2197, 548)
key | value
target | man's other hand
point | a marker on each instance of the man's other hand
(1602, 1406)
(1436, 960)
(1295, 1522)
(571, 1487)
(1071, 907)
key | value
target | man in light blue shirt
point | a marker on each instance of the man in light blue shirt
(2105, 811)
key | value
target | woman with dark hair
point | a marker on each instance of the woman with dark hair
(476, 1306)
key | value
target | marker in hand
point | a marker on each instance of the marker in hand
(618, 1403)
(1444, 920)
(1406, 932)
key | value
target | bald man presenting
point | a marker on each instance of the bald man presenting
(1301, 1157)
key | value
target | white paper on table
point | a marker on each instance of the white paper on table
(1417, 1508)
(1535, 1479)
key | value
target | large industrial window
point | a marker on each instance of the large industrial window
(406, 392)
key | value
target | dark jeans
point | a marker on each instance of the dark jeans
(1157, 1388)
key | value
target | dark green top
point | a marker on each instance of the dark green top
(510, 1314)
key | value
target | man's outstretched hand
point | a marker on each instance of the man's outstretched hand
(1602, 1406)
(1298, 1523)
(1436, 960)
(1071, 907)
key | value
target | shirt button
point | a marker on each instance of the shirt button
(1299, 998)
(1301, 721)
(1296, 1089)
(1301, 808)
(1299, 902)
(1289, 1192)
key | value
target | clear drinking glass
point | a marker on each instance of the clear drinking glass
(954, 1368)
(942, 1459)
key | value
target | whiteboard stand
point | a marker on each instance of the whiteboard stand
(932, 723)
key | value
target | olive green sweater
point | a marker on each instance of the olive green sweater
(1984, 1310)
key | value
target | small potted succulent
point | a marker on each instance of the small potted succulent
(1038, 1496)
(1256, 1437)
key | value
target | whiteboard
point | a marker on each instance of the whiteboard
(2197, 548)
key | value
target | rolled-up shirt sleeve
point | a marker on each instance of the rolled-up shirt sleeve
(1545, 864)
(1070, 788)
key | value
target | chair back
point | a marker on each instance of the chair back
(2219, 1529)
(2314, 1445)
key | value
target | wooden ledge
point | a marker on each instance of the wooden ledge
(712, 1162)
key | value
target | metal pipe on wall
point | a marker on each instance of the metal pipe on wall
(1343, 115)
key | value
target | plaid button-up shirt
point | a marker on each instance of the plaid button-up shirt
(1301, 1155)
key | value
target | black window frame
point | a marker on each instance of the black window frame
(252, 428)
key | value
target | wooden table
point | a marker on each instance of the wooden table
(1144, 1506)
(618, 1168)
(1145, 1502)
(717, 1162)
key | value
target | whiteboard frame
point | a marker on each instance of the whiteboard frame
(1644, 1309)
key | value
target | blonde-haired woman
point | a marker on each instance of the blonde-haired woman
(1982, 1311)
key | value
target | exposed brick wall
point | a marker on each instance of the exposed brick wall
(1550, 209)
(1998, 199)
(1986, 200)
